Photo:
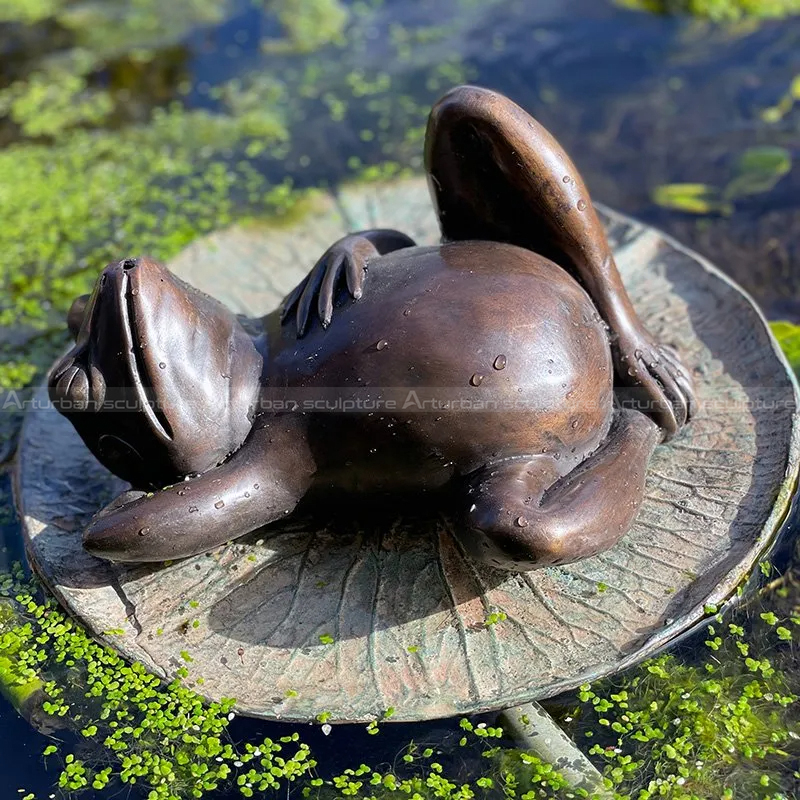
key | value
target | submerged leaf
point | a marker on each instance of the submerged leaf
(758, 170)
(692, 198)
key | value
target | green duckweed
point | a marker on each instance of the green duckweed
(721, 726)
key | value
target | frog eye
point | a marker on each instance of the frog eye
(70, 388)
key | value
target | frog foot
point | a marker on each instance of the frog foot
(656, 369)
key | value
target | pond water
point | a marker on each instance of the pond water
(116, 116)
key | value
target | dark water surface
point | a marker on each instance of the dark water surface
(639, 101)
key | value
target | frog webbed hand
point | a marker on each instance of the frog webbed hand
(344, 263)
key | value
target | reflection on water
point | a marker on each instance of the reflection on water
(318, 90)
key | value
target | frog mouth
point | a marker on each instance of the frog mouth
(147, 399)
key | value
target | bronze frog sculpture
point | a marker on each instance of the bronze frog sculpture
(521, 302)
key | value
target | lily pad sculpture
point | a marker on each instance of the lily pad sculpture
(560, 540)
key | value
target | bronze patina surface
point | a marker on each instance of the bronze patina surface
(520, 313)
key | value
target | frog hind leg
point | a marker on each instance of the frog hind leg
(521, 515)
(496, 174)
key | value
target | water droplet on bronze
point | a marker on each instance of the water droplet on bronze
(574, 423)
(500, 362)
(144, 531)
(382, 345)
(255, 486)
(566, 179)
(521, 522)
(581, 205)
(219, 504)
(192, 509)
(406, 312)
(476, 380)
(181, 493)
(162, 365)
(247, 494)
(134, 292)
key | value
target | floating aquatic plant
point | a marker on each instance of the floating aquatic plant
(754, 171)
(788, 336)
(785, 104)
(721, 727)
(719, 10)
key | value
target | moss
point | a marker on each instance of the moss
(18, 683)
(69, 85)
(124, 26)
(48, 103)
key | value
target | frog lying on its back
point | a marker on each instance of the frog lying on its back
(491, 319)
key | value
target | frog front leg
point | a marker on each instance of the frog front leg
(262, 482)
(496, 174)
(522, 515)
(346, 258)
